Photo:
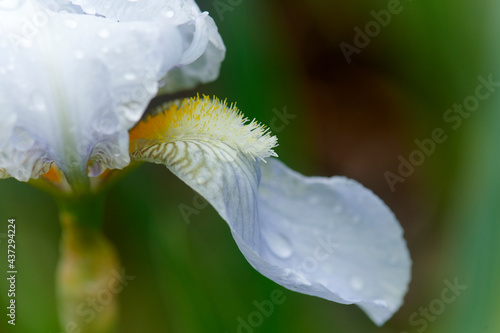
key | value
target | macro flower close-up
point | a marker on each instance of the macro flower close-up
(109, 108)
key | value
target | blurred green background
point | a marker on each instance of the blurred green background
(351, 119)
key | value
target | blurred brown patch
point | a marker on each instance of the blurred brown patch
(357, 111)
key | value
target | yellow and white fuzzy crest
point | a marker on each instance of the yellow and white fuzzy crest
(203, 120)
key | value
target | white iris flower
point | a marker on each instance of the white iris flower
(75, 79)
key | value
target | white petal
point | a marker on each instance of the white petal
(204, 69)
(73, 86)
(328, 237)
(59, 6)
(332, 238)
(215, 150)
(203, 49)
(225, 177)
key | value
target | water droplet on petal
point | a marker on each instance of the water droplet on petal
(70, 23)
(356, 283)
(108, 124)
(132, 112)
(79, 54)
(338, 209)
(129, 76)
(314, 200)
(104, 33)
(393, 259)
(278, 244)
(359, 198)
(356, 219)
(22, 140)
(10, 4)
(295, 277)
(169, 13)
(201, 180)
(38, 102)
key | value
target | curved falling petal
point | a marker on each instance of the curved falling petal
(330, 238)
(337, 240)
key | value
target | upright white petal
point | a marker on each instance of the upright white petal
(328, 237)
(203, 49)
(72, 85)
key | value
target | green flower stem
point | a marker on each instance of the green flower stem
(79, 181)
(87, 269)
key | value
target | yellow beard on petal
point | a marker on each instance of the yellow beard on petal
(203, 119)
